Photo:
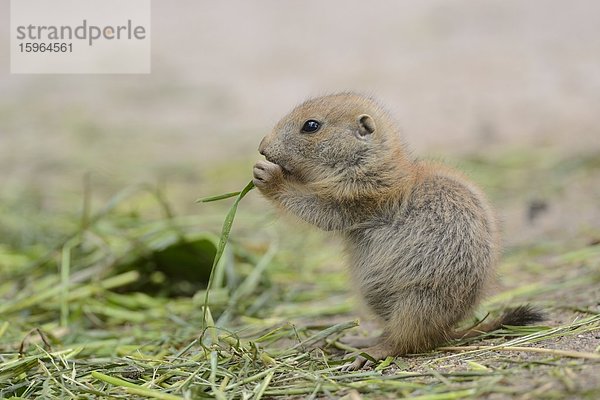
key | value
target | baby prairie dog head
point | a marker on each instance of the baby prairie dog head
(343, 143)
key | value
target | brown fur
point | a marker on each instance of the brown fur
(422, 239)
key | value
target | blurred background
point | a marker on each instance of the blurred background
(513, 83)
(508, 91)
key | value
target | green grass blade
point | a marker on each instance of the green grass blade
(218, 197)
(133, 388)
(325, 333)
(65, 273)
(227, 224)
(264, 385)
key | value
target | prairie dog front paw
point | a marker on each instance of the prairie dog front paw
(268, 176)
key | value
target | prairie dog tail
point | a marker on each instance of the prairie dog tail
(518, 316)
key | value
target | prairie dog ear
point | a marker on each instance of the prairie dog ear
(366, 125)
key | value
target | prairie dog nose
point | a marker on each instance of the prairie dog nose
(261, 146)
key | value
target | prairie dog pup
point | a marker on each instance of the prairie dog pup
(422, 239)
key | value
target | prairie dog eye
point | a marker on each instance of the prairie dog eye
(311, 126)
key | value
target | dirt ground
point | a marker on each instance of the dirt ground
(464, 78)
